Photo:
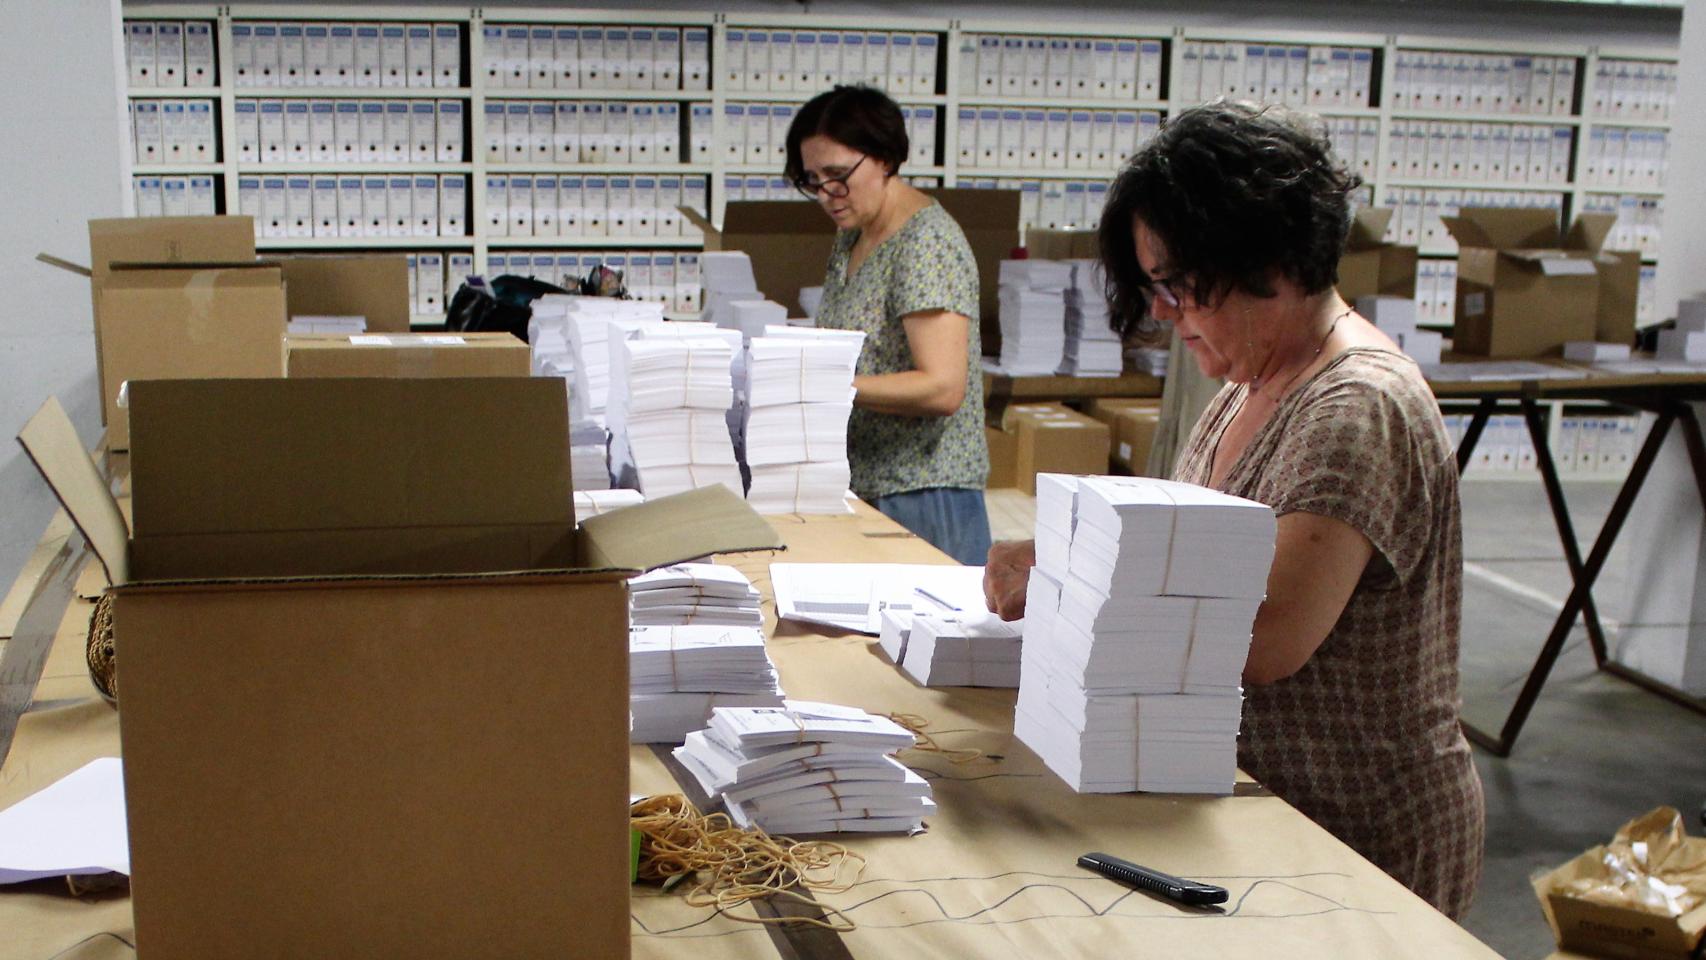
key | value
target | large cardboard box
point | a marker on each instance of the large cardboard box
(158, 240)
(1003, 458)
(1133, 422)
(789, 243)
(371, 285)
(1581, 898)
(1371, 266)
(1522, 289)
(1042, 243)
(406, 355)
(1049, 438)
(185, 320)
(373, 675)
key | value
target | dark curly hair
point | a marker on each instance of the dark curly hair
(1235, 192)
(858, 116)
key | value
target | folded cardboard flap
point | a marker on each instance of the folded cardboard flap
(52, 444)
(1368, 228)
(67, 265)
(406, 355)
(1504, 228)
(362, 477)
(169, 240)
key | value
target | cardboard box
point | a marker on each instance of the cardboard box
(1049, 438)
(789, 244)
(1600, 929)
(1524, 291)
(1370, 265)
(183, 321)
(410, 669)
(1045, 244)
(375, 286)
(406, 355)
(1133, 422)
(1003, 458)
(158, 240)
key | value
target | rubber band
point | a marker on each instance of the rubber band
(925, 743)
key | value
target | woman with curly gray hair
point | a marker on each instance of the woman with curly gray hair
(1229, 227)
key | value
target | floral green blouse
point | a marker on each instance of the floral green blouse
(926, 265)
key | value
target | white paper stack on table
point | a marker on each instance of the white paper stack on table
(750, 317)
(589, 324)
(591, 503)
(972, 649)
(797, 384)
(1396, 317)
(808, 768)
(1687, 342)
(694, 593)
(1150, 360)
(336, 324)
(726, 277)
(670, 394)
(1033, 316)
(854, 596)
(1137, 627)
(677, 675)
(1093, 349)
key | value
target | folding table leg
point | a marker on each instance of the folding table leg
(1472, 435)
(1561, 518)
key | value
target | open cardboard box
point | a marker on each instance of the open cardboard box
(406, 355)
(184, 297)
(1524, 290)
(1372, 266)
(374, 681)
(789, 242)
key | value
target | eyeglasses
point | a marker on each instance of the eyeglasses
(836, 187)
(1162, 290)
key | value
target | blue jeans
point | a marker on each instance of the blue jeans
(953, 520)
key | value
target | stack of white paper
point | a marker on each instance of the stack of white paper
(969, 650)
(694, 593)
(1033, 316)
(342, 325)
(1138, 619)
(589, 322)
(589, 455)
(591, 503)
(854, 596)
(1150, 360)
(750, 317)
(726, 277)
(1093, 349)
(670, 395)
(678, 675)
(808, 768)
(797, 395)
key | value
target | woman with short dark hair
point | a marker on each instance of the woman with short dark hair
(901, 271)
(1229, 226)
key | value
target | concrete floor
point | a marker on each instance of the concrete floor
(1596, 750)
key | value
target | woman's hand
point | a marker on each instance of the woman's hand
(1005, 576)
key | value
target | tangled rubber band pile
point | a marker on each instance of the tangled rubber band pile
(734, 866)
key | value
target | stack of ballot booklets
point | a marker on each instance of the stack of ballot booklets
(1149, 360)
(750, 317)
(671, 389)
(726, 277)
(1137, 627)
(337, 324)
(694, 593)
(1033, 315)
(678, 674)
(797, 394)
(971, 649)
(553, 355)
(591, 323)
(1093, 349)
(807, 768)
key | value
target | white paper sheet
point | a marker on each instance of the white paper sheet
(74, 827)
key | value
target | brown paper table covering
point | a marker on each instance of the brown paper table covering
(994, 874)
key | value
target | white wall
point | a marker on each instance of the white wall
(1681, 260)
(62, 161)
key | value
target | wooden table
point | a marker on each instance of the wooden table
(1667, 396)
(994, 875)
(1000, 389)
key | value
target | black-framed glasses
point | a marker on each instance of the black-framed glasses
(836, 187)
(1162, 290)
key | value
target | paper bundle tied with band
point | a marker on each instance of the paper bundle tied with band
(1641, 896)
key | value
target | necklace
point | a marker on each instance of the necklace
(1256, 383)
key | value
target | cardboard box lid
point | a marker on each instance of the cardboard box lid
(168, 240)
(473, 340)
(1589, 231)
(1368, 228)
(377, 457)
(1504, 228)
(1045, 244)
(252, 274)
(375, 286)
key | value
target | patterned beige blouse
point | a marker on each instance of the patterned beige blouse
(1365, 738)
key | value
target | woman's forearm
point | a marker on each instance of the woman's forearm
(911, 393)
